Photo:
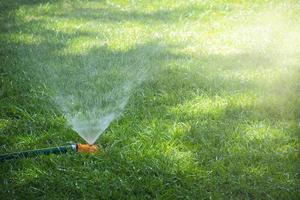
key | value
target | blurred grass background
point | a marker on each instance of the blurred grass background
(219, 118)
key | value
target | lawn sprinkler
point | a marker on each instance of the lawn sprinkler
(82, 148)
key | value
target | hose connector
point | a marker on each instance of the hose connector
(88, 148)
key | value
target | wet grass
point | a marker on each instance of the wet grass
(217, 119)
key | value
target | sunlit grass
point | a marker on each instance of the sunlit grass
(217, 117)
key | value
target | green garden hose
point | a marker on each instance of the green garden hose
(53, 150)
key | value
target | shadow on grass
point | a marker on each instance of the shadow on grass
(113, 14)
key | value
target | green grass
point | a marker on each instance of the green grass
(217, 119)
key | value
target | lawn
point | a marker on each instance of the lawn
(216, 116)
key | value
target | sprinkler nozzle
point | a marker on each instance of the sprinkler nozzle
(88, 148)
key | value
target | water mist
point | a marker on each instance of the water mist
(94, 90)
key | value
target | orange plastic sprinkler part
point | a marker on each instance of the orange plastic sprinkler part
(88, 148)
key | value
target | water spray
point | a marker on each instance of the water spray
(82, 148)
